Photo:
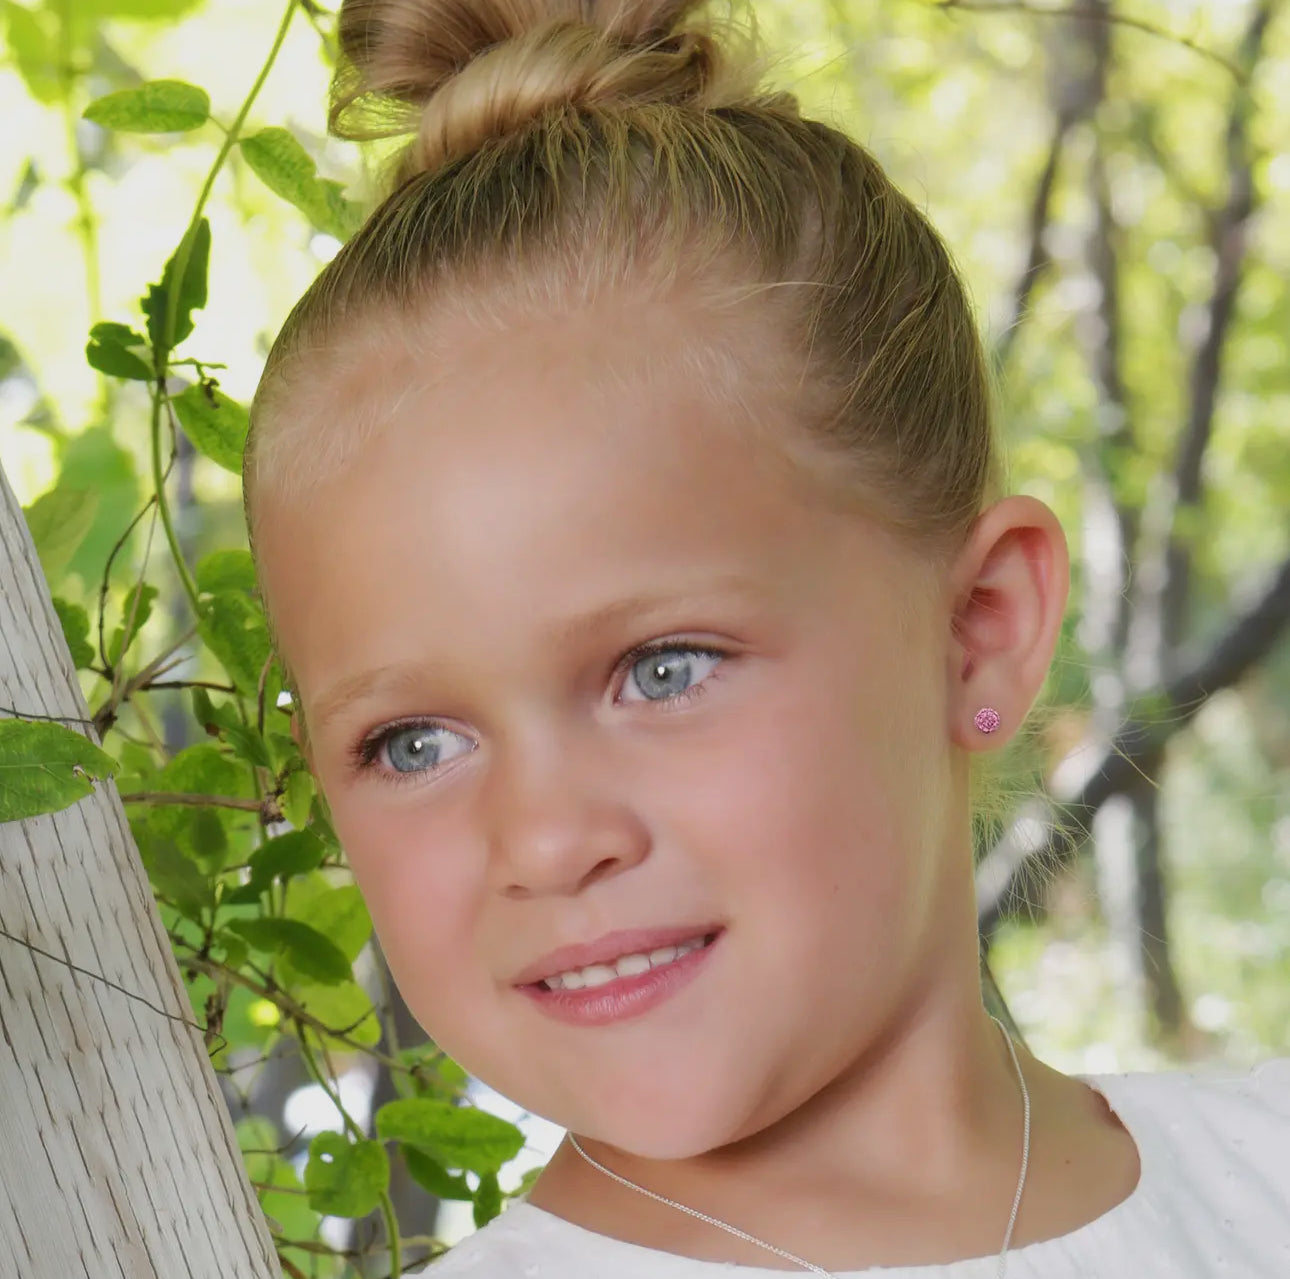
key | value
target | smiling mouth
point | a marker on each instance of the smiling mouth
(631, 965)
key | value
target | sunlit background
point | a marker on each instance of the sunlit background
(1106, 187)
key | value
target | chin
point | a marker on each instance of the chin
(671, 1115)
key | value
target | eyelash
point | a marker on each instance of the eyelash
(364, 752)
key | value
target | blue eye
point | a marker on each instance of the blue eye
(671, 673)
(666, 674)
(415, 748)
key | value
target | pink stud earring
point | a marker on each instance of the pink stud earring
(987, 719)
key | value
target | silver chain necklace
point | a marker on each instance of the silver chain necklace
(798, 1261)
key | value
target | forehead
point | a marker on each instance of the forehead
(325, 403)
(534, 476)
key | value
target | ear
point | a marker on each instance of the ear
(1010, 584)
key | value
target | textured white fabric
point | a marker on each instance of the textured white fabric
(1212, 1202)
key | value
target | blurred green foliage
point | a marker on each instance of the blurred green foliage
(1116, 191)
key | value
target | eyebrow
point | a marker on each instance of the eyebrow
(407, 676)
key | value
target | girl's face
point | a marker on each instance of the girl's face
(463, 607)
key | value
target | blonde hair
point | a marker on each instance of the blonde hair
(564, 149)
(568, 151)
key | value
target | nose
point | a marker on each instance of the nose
(555, 822)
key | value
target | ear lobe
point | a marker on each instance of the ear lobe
(1012, 580)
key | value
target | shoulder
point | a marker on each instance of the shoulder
(1205, 1120)
(1258, 1095)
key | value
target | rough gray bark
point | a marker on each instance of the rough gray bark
(117, 1155)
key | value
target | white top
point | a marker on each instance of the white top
(1212, 1202)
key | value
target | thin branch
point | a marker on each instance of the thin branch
(160, 473)
(200, 801)
(106, 581)
(1038, 259)
(1079, 11)
(184, 252)
(49, 719)
(1229, 243)
(293, 1271)
(105, 716)
(1111, 525)
(298, 1012)
(135, 598)
(352, 1254)
(183, 255)
(187, 683)
(106, 981)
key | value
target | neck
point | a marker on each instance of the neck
(855, 1173)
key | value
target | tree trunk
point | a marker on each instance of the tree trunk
(117, 1155)
(1168, 1024)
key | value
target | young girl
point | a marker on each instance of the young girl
(625, 499)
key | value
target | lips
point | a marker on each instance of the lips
(610, 947)
(605, 995)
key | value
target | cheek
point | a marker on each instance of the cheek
(815, 809)
(419, 890)
(769, 812)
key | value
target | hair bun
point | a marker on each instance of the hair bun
(459, 72)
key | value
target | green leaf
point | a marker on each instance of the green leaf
(234, 629)
(227, 570)
(191, 292)
(206, 834)
(45, 768)
(247, 744)
(138, 764)
(118, 351)
(282, 746)
(257, 1133)
(291, 854)
(176, 877)
(58, 522)
(298, 798)
(248, 894)
(343, 1007)
(457, 1136)
(32, 41)
(211, 714)
(216, 425)
(344, 1178)
(204, 710)
(75, 622)
(134, 613)
(160, 106)
(309, 952)
(139, 10)
(202, 769)
(488, 1200)
(94, 459)
(286, 1210)
(339, 913)
(257, 1140)
(234, 948)
(431, 1074)
(435, 1177)
(288, 170)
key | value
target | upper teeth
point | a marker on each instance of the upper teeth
(627, 966)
